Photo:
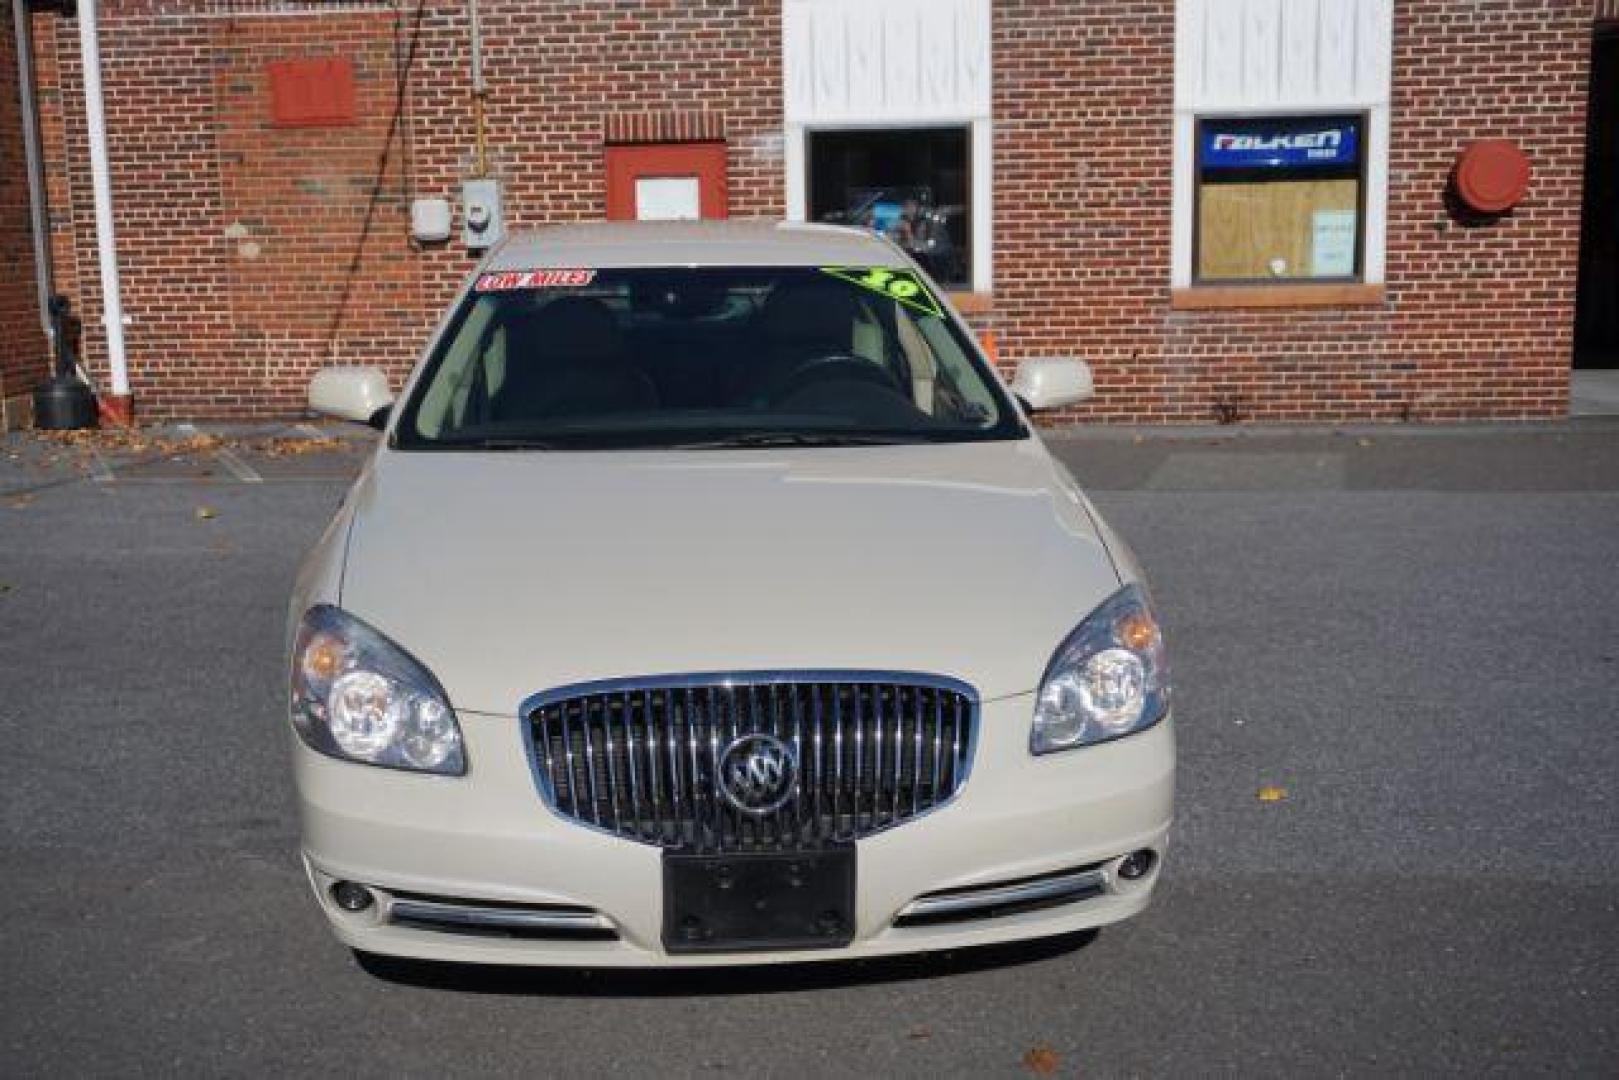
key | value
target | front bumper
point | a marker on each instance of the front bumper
(488, 837)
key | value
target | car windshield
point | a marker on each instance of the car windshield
(574, 359)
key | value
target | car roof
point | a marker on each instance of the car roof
(693, 243)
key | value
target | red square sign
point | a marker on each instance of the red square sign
(311, 93)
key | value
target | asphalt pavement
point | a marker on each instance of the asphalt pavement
(1412, 633)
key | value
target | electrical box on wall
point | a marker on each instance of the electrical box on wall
(482, 223)
(430, 220)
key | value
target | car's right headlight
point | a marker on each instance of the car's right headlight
(1109, 678)
(359, 697)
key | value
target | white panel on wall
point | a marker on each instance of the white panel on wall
(830, 44)
(938, 38)
(1336, 56)
(972, 54)
(902, 70)
(1297, 76)
(1261, 47)
(1271, 54)
(1222, 51)
(859, 62)
(1190, 30)
(1373, 48)
(797, 79)
(865, 60)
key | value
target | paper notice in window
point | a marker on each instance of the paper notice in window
(1332, 243)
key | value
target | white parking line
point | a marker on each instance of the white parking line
(237, 467)
(184, 481)
(226, 457)
(100, 471)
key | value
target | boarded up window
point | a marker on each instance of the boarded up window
(1279, 199)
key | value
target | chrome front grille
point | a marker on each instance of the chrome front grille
(640, 758)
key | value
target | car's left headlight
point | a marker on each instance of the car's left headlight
(359, 697)
(1109, 678)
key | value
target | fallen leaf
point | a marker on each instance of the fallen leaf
(21, 502)
(1363, 442)
(206, 513)
(919, 1033)
(289, 447)
(1272, 793)
(1042, 1060)
(5, 586)
(132, 441)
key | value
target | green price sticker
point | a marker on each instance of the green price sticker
(901, 285)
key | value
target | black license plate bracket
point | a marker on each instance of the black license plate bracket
(758, 901)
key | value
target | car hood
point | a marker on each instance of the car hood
(510, 573)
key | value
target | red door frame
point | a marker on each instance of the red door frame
(704, 160)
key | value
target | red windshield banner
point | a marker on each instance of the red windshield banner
(507, 280)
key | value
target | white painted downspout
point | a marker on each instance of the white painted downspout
(24, 34)
(112, 306)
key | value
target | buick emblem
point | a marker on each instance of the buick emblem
(758, 773)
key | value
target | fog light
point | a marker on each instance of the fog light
(351, 897)
(1137, 864)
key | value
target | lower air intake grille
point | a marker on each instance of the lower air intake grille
(753, 761)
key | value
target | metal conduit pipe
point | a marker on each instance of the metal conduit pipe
(24, 34)
(112, 307)
(480, 92)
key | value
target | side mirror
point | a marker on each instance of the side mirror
(352, 393)
(1053, 383)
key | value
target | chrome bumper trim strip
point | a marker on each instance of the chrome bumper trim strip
(471, 915)
(1076, 886)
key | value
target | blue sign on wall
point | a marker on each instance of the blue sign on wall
(1297, 143)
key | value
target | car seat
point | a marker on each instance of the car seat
(797, 322)
(567, 359)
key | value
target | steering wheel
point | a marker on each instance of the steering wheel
(835, 366)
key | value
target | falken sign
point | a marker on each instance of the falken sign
(1280, 144)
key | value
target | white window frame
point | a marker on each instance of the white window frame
(1282, 59)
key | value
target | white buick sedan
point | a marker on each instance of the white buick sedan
(708, 600)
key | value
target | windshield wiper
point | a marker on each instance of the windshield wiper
(501, 444)
(766, 439)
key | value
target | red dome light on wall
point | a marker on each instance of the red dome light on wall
(1491, 175)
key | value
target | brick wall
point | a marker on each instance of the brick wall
(561, 73)
(23, 351)
(1483, 317)
(314, 220)
(235, 238)
(1477, 320)
(252, 254)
